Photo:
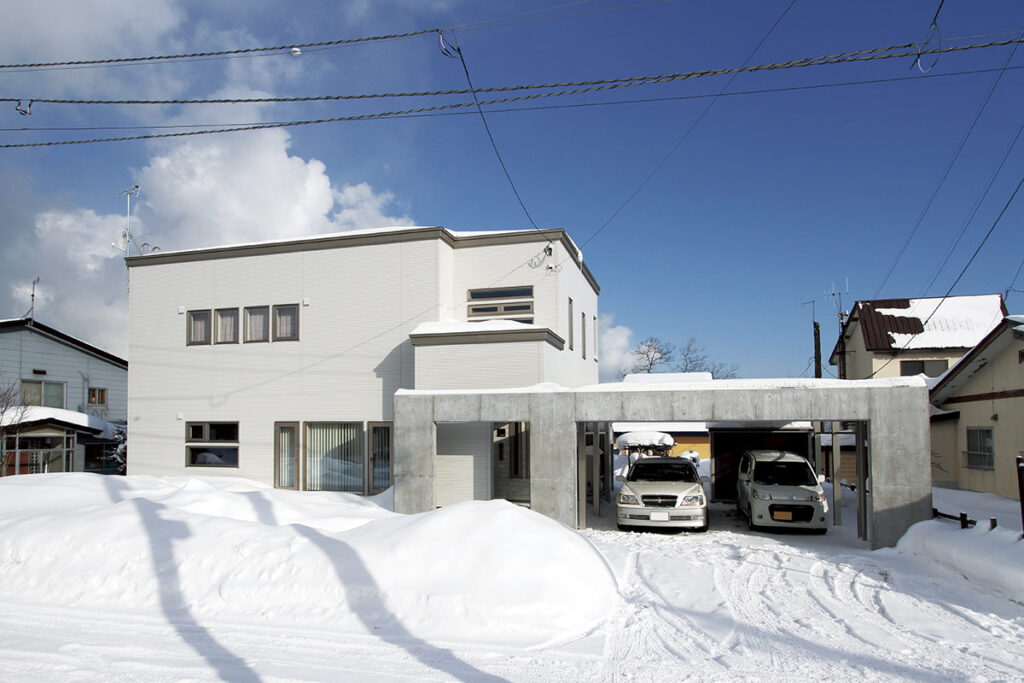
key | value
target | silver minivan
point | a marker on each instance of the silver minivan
(779, 489)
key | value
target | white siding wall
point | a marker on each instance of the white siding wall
(480, 366)
(353, 352)
(23, 350)
(462, 466)
(504, 266)
(574, 369)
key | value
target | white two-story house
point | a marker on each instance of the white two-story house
(278, 361)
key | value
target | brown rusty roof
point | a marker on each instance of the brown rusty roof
(875, 327)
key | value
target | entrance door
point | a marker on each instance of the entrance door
(381, 473)
(286, 455)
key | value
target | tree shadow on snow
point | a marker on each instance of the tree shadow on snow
(365, 601)
(161, 534)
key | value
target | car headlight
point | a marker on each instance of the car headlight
(761, 495)
(627, 499)
(820, 497)
(693, 500)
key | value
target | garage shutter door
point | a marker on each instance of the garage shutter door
(462, 468)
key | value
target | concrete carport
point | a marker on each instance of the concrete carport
(895, 412)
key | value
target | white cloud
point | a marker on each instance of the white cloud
(218, 190)
(614, 341)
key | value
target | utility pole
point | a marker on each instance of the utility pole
(817, 349)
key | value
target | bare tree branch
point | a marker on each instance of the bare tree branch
(12, 413)
(652, 353)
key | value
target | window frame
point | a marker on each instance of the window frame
(98, 392)
(583, 334)
(571, 321)
(217, 325)
(275, 335)
(492, 293)
(247, 327)
(987, 459)
(42, 393)
(189, 328)
(277, 455)
(204, 441)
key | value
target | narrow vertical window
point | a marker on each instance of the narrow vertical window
(570, 325)
(286, 455)
(595, 337)
(583, 334)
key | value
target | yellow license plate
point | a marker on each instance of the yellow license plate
(783, 515)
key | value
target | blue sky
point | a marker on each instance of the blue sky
(771, 199)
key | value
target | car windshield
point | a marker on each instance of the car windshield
(784, 474)
(663, 471)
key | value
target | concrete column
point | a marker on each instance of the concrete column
(900, 456)
(837, 489)
(553, 469)
(415, 446)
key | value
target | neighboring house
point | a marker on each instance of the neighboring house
(978, 415)
(45, 440)
(279, 361)
(902, 337)
(71, 379)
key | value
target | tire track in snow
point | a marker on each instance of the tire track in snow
(977, 659)
(647, 638)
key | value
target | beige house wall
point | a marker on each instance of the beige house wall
(1004, 415)
(945, 454)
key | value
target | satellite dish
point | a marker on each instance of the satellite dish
(122, 241)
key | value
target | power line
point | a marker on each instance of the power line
(575, 105)
(314, 46)
(490, 136)
(220, 53)
(609, 84)
(686, 134)
(869, 54)
(949, 166)
(976, 207)
(963, 271)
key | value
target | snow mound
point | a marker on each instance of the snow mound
(229, 550)
(991, 558)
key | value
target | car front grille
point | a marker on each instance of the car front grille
(658, 501)
(801, 513)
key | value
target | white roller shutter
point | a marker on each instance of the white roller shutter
(462, 468)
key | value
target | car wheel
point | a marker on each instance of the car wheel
(623, 527)
(750, 520)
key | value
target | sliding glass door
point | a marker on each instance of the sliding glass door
(334, 456)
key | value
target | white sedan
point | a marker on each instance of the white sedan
(662, 492)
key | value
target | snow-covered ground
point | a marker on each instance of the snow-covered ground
(139, 578)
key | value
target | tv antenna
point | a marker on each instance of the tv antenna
(30, 314)
(126, 239)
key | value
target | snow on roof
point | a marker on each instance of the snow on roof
(955, 321)
(459, 326)
(669, 427)
(666, 377)
(710, 385)
(643, 439)
(349, 233)
(756, 384)
(39, 414)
